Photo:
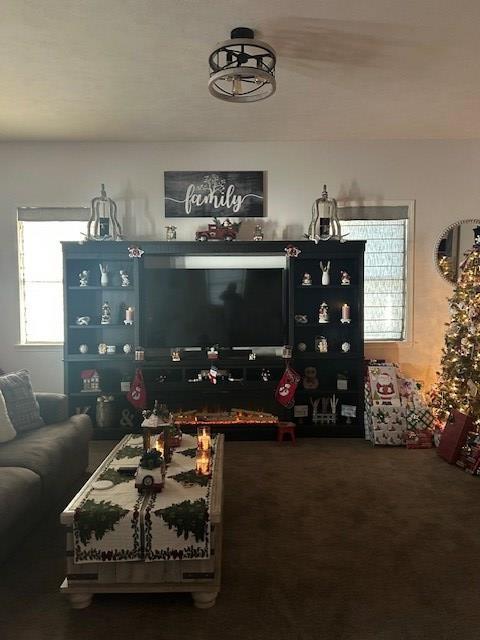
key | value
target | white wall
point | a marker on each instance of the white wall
(442, 176)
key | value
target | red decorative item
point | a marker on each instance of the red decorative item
(419, 439)
(454, 436)
(138, 394)
(285, 393)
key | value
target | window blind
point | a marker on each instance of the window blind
(385, 273)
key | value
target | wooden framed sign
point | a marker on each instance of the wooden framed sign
(201, 194)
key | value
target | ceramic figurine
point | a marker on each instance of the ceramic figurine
(306, 280)
(252, 356)
(258, 235)
(125, 278)
(345, 347)
(83, 277)
(83, 348)
(176, 355)
(321, 344)
(82, 321)
(344, 278)
(171, 232)
(104, 275)
(106, 314)
(323, 313)
(325, 273)
(127, 348)
(102, 349)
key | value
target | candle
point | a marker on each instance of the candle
(345, 313)
(204, 439)
(129, 315)
(203, 464)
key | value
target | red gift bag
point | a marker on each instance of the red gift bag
(285, 393)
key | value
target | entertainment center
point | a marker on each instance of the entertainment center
(246, 300)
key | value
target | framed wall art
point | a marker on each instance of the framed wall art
(201, 194)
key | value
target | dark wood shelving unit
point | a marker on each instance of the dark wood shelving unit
(167, 381)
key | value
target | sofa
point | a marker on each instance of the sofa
(38, 467)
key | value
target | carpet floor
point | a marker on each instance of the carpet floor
(330, 540)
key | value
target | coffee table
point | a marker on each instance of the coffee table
(201, 577)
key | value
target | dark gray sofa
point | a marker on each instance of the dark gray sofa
(38, 467)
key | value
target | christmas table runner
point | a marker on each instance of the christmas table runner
(118, 523)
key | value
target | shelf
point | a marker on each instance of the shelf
(319, 390)
(101, 326)
(311, 325)
(95, 394)
(327, 287)
(308, 355)
(100, 288)
(95, 357)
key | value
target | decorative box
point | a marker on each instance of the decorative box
(419, 439)
(420, 418)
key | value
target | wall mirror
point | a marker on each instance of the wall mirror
(450, 249)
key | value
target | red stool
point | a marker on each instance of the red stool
(283, 428)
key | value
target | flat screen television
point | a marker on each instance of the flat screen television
(202, 307)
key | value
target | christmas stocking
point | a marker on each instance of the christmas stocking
(285, 393)
(138, 394)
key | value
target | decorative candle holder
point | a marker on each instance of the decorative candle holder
(203, 465)
(345, 319)
(204, 438)
(129, 313)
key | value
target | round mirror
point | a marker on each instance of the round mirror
(454, 242)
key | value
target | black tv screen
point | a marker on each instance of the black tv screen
(203, 307)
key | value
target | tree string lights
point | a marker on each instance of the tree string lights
(458, 382)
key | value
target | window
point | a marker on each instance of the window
(40, 232)
(388, 284)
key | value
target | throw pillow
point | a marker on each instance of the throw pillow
(21, 404)
(7, 432)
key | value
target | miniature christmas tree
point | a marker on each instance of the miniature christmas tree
(458, 383)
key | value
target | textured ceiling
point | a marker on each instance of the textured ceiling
(137, 70)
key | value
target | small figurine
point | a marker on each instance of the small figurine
(176, 355)
(102, 349)
(301, 319)
(323, 313)
(82, 321)
(325, 273)
(171, 232)
(345, 347)
(212, 353)
(258, 235)
(125, 278)
(345, 319)
(321, 344)
(83, 277)
(306, 280)
(265, 375)
(104, 275)
(252, 355)
(310, 380)
(83, 348)
(344, 278)
(226, 230)
(127, 348)
(106, 314)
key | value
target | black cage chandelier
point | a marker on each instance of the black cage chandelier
(242, 69)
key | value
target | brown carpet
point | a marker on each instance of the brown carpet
(329, 540)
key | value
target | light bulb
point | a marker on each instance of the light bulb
(237, 85)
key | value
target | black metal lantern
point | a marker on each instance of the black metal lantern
(242, 69)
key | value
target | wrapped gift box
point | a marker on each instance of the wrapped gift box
(419, 439)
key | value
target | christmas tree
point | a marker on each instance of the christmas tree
(458, 383)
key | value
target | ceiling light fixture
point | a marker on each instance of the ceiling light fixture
(242, 69)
